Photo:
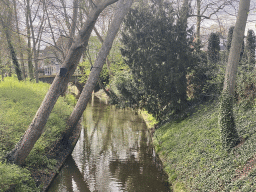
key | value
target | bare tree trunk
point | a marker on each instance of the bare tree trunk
(52, 34)
(99, 80)
(198, 26)
(24, 146)
(64, 6)
(73, 24)
(2, 69)
(35, 40)
(229, 135)
(29, 52)
(14, 57)
(236, 46)
(6, 24)
(101, 40)
(18, 32)
(2, 75)
(107, 61)
(122, 9)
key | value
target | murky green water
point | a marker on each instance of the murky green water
(114, 153)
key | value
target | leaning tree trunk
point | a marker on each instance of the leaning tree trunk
(122, 10)
(25, 145)
(229, 135)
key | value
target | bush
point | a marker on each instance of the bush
(213, 48)
(15, 176)
(206, 79)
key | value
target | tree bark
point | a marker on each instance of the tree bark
(34, 39)
(73, 24)
(107, 60)
(18, 32)
(101, 40)
(7, 32)
(2, 69)
(24, 146)
(198, 26)
(29, 52)
(229, 135)
(236, 46)
(122, 10)
(182, 54)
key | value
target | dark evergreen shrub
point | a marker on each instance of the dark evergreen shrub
(213, 47)
(158, 54)
(250, 47)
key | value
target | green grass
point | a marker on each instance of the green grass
(193, 156)
(19, 102)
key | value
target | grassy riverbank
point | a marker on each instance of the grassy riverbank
(193, 156)
(19, 102)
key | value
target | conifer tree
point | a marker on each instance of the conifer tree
(213, 48)
(250, 47)
(156, 50)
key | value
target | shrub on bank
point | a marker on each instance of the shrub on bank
(19, 102)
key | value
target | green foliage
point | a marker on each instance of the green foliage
(125, 87)
(114, 57)
(157, 53)
(70, 99)
(245, 86)
(229, 135)
(213, 47)
(85, 66)
(13, 175)
(179, 187)
(149, 119)
(38, 160)
(250, 47)
(194, 157)
(19, 102)
(93, 48)
(205, 81)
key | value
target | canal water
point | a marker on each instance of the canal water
(114, 153)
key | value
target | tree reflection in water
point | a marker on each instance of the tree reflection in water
(114, 153)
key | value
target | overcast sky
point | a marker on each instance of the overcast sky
(227, 18)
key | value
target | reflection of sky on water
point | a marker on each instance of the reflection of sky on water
(113, 153)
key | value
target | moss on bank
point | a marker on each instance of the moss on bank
(19, 102)
(194, 158)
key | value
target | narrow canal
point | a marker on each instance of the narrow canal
(114, 153)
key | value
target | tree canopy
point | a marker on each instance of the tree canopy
(153, 48)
